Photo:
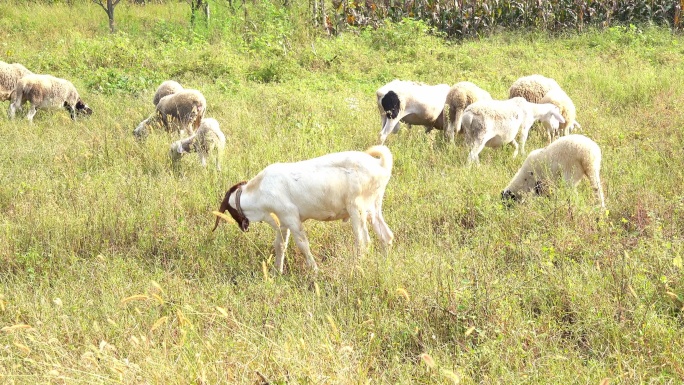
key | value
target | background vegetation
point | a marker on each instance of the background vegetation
(110, 273)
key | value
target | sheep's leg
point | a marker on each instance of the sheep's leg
(515, 146)
(475, 150)
(12, 111)
(595, 180)
(31, 113)
(454, 126)
(280, 244)
(523, 137)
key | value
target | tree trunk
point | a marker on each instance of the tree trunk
(109, 8)
(110, 13)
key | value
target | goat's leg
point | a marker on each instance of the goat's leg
(380, 226)
(303, 244)
(280, 244)
(359, 227)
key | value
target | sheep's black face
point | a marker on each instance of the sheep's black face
(390, 104)
(83, 108)
(508, 198)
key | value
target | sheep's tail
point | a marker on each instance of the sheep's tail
(382, 152)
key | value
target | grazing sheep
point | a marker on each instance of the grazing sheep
(46, 91)
(166, 88)
(411, 103)
(571, 158)
(494, 123)
(559, 98)
(343, 185)
(208, 139)
(9, 76)
(460, 96)
(532, 87)
(179, 112)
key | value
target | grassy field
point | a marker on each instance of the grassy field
(110, 273)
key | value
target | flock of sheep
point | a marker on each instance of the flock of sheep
(485, 122)
(350, 185)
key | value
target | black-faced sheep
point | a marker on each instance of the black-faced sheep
(342, 185)
(9, 76)
(167, 87)
(180, 112)
(494, 123)
(208, 139)
(569, 158)
(46, 91)
(411, 103)
(532, 87)
(460, 96)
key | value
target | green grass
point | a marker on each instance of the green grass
(550, 291)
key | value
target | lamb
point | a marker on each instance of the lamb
(46, 91)
(561, 99)
(208, 139)
(532, 87)
(343, 185)
(180, 112)
(494, 123)
(571, 158)
(411, 103)
(9, 76)
(460, 96)
(166, 88)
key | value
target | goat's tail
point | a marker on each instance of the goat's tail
(382, 152)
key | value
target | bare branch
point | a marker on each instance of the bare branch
(99, 2)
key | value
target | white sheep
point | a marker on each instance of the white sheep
(569, 158)
(167, 87)
(411, 103)
(532, 87)
(494, 123)
(180, 112)
(46, 91)
(9, 76)
(561, 99)
(460, 96)
(342, 185)
(207, 139)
